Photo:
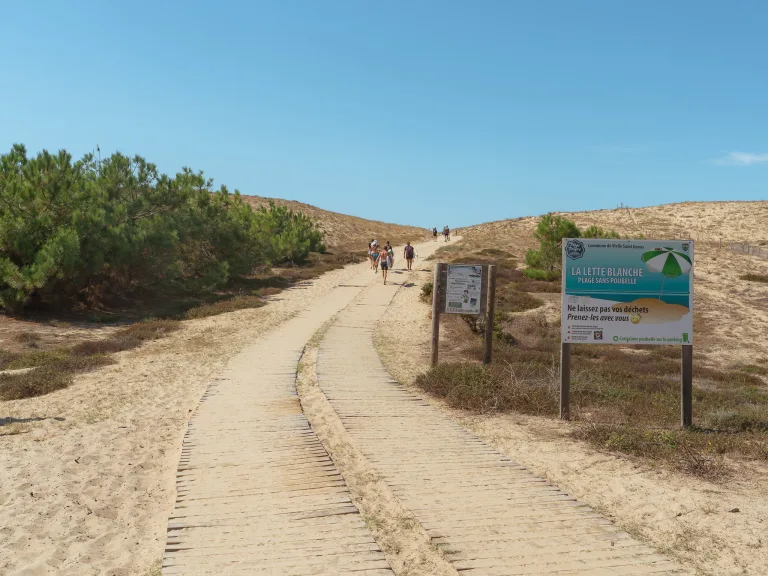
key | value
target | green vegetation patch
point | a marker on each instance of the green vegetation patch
(489, 388)
(86, 231)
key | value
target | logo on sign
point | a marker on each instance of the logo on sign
(574, 249)
(685, 247)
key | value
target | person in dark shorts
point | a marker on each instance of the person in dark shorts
(409, 252)
(384, 263)
(434, 233)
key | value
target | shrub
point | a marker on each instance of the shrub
(509, 300)
(544, 275)
(533, 258)
(550, 233)
(544, 263)
(33, 383)
(488, 388)
(82, 229)
(597, 232)
(426, 292)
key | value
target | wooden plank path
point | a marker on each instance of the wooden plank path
(256, 491)
(488, 514)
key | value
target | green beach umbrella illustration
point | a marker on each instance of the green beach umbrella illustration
(668, 261)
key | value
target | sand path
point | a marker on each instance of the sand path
(489, 515)
(256, 491)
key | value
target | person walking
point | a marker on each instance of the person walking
(376, 255)
(370, 253)
(384, 262)
(447, 234)
(434, 233)
(409, 253)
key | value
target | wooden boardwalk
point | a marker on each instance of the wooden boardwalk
(257, 492)
(488, 514)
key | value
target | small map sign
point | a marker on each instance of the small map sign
(627, 291)
(464, 289)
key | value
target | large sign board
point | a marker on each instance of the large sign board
(463, 289)
(627, 291)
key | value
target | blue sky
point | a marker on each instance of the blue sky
(423, 112)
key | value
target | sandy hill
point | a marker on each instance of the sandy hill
(731, 315)
(704, 222)
(342, 230)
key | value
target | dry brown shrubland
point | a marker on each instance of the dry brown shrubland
(625, 399)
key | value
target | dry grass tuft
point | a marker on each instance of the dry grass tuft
(117, 343)
(755, 277)
(7, 358)
(426, 292)
(33, 383)
(30, 339)
(150, 329)
(225, 306)
(691, 452)
(52, 370)
(492, 388)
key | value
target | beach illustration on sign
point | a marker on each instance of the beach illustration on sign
(667, 261)
(654, 311)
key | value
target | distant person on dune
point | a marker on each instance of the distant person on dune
(408, 253)
(434, 233)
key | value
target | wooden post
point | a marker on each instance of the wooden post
(436, 312)
(686, 387)
(565, 381)
(490, 315)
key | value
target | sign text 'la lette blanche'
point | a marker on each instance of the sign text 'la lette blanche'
(627, 291)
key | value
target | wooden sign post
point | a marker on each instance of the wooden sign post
(476, 298)
(565, 381)
(490, 315)
(686, 387)
(439, 269)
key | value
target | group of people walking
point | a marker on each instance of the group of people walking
(446, 233)
(384, 257)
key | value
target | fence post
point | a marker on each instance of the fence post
(490, 315)
(565, 381)
(686, 387)
(436, 311)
